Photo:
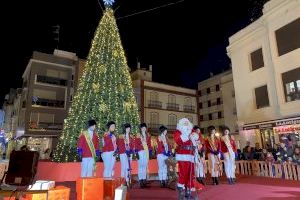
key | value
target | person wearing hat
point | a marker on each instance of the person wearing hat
(143, 147)
(163, 152)
(200, 156)
(229, 150)
(109, 150)
(125, 147)
(213, 148)
(88, 150)
(185, 140)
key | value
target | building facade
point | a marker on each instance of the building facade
(217, 102)
(265, 60)
(161, 104)
(47, 94)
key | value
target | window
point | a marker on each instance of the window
(208, 103)
(200, 105)
(218, 101)
(217, 87)
(187, 101)
(219, 115)
(291, 85)
(201, 118)
(154, 118)
(172, 99)
(153, 96)
(208, 90)
(210, 116)
(199, 93)
(172, 119)
(262, 97)
(257, 60)
(288, 37)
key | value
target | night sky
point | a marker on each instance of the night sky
(184, 42)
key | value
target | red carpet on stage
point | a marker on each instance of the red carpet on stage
(247, 188)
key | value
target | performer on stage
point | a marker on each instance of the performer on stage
(163, 152)
(143, 148)
(213, 147)
(228, 149)
(185, 155)
(88, 150)
(200, 162)
(125, 148)
(109, 150)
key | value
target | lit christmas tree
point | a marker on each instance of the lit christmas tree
(105, 90)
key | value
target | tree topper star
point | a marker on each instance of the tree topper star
(108, 2)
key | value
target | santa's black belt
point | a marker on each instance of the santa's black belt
(189, 147)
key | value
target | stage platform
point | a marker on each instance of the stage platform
(61, 172)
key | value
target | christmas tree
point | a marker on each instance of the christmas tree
(105, 90)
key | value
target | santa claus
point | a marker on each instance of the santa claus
(186, 143)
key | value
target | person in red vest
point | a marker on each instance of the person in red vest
(185, 155)
(143, 148)
(109, 150)
(213, 148)
(88, 150)
(200, 161)
(163, 152)
(125, 148)
(229, 150)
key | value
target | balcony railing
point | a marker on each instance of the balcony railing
(154, 104)
(189, 108)
(48, 103)
(51, 80)
(45, 126)
(172, 106)
(172, 127)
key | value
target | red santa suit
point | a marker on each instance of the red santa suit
(228, 149)
(185, 158)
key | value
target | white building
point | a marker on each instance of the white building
(265, 60)
(217, 103)
(48, 87)
(162, 104)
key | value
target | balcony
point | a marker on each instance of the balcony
(172, 127)
(154, 128)
(154, 104)
(173, 106)
(51, 80)
(188, 108)
(45, 126)
(48, 103)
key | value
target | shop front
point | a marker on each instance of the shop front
(270, 133)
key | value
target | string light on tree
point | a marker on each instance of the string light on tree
(104, 92)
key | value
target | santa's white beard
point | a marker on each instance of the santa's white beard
(185, 130)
